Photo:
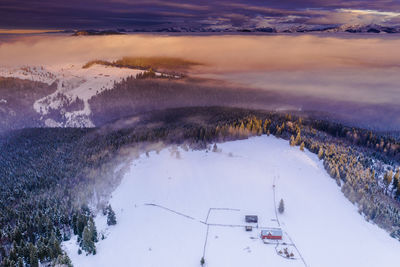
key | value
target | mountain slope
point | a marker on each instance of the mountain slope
(239, 176)
(67, 104)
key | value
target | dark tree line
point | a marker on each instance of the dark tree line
(17, 97)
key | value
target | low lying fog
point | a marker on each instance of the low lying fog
(221, 53)
(343, 67)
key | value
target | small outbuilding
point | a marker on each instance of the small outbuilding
(273, 234)
(251, 218)
(249, 228)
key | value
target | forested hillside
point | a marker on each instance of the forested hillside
(134, 96)
(54, 180)
(16, 102)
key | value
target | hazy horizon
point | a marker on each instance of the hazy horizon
(157, 14)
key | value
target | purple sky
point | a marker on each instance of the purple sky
(62, 14)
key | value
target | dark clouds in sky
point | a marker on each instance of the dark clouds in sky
(140, 14)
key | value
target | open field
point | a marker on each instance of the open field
(240, 176)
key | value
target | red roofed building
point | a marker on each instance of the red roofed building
(274, 234)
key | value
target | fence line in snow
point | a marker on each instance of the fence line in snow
(205, 242)
(227, 225)
(174, 211)
(277, 219)
(276, 213)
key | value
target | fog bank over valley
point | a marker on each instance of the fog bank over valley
(353, 79)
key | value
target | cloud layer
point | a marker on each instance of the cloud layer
(140, 14)
(364, 69)
(219, 53)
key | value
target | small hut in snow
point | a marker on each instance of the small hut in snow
(251, 218)
(273, 234)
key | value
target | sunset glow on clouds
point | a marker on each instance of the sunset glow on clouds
(221, 53)
(140, 14)
(346, 68)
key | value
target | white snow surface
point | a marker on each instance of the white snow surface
(73, 82)
(325, 227)
(33, 73)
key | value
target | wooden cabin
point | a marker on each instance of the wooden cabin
(272, 234)
(251, 218)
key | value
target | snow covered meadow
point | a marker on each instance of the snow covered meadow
(175, 206)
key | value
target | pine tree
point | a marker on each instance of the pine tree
(397, 175)
(5, 262)
(33, 259)
(54, 246)
(388, 177)
(80, 224)
(398, 189)
(111, 219)
(241, 127)
(58, 233)
(281, 207)
(66, 235)
(64, 260)
(337, 173)
(373, 175)
(13, 256)
(338, 181)
(396, 183)
(292, 142)
(24, 250)
(20, 262)
(42, 249)
(320, 153)
(302, 146)
(93, 230)
(89, 237)
(298, 138)
(87, 241)
(266, 126)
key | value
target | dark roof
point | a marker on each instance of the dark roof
(251, 218)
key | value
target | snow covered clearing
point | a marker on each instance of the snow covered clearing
(33, 73)
(73, 83)
(324, 226)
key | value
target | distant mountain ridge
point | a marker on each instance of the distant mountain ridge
(292, 28)
(97, 32)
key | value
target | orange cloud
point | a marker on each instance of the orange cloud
(219, 53)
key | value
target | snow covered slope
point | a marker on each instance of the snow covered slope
(182, 187)
(73, 83)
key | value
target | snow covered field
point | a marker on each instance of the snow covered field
(325, 227)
